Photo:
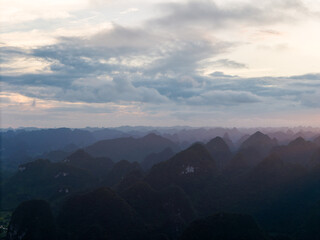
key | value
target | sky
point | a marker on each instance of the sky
(107, 63)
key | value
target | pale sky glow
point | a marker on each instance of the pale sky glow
(80, 63)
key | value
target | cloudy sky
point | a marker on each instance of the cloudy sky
(80, 63)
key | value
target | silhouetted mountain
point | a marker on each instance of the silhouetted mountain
(259, 141)
(32, 220)
(42, 179)
(101, 214)
(254, 149)
(132, 149)
(185, 169)
(99, 167)
(223, 226)
(219, 151)
(155, 158)
(298, 151)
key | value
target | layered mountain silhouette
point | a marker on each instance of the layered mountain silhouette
(131, 149)
(146, 188)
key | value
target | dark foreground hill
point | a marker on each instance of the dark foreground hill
(42, 179)
(100, 214)
(224, 226)
(32, 220)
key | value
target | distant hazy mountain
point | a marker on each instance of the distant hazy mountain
(131, 149)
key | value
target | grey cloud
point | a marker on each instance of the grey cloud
(8, 53)
(95, 69)
(186, 56)
(310, 99)
(206, 13)
(225, 98)
(4, 99)
(226, 63)
(310, 76)
(122, 37)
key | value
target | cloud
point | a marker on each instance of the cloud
(206, 13)
(162, 66)
(226, 63)
(129, 10)
(225, 98)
